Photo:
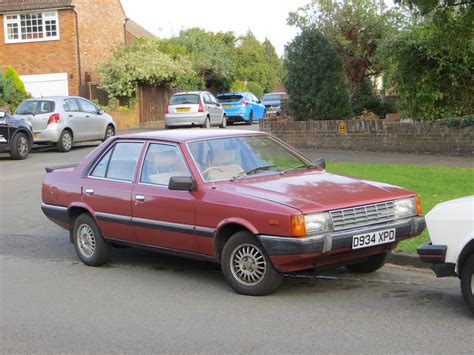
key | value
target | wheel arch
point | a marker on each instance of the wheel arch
(76, 210)
(467, 249)
(69, 129)
(226, 229)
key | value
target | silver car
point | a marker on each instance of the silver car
(64, 120)
(195, 108)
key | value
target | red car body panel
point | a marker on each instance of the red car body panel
(193, 222)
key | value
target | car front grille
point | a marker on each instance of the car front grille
(360, 216)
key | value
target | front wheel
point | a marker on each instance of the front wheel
(224, 122)
(65, 142)
(467, 282)
(20, 147)
(373, 263)
(91, 248)
(109, 132)
(246, 266)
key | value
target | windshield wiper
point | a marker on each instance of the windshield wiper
(252, 171)
(299, 167)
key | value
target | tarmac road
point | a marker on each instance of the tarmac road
(143, 302)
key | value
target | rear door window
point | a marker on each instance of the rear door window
(185, 99)
(119, 162)
(70, 105)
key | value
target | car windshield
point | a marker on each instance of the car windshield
(229, 98)
(35, 107)
(271, 97)
(186, 99)
(238, 157)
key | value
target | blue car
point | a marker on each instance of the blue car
(241, 107)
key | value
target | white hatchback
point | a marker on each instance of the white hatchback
(451, 248)
(64, 120)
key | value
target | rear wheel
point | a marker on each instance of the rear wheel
(250, 120)
(246, 266)
(224, 122)
(207, 123)
(65, 141)
(91, 248)
(109, 132)
(20, 146)
(373, 263)
(467, 282)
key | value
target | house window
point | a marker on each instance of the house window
(31, 27)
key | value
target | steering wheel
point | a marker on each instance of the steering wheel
(211, 168)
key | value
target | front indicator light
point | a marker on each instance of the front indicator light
(418, 205)
(297, 226)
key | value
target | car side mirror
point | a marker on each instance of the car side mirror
(101, 112)
(182, 183)
(320, 163)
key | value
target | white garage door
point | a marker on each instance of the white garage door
(46, 84)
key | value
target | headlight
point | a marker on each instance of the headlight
(406, 208)
(317, 223)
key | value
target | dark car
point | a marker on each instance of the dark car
(16, 136)
(272, 102)
(243, 199)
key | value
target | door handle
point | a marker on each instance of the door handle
(87, 116)
(140, 198)
(89, 191)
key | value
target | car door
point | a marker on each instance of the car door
(4, 130)
(209, 107)
(257, 108)
(218, 110)
(75, 119)
(107, 189)
(162, 217)
(95, 123)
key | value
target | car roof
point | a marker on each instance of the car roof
(54, 98)
(187, 135)
(190, 93)
(234, 93)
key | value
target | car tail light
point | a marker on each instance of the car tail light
(201, 107)
(167, 109)
(243, 102)
(54, 118)
(297, 226)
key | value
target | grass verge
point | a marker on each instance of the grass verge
(432, 183)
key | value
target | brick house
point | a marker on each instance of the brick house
(57, 45)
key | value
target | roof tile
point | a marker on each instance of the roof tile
(25, 5)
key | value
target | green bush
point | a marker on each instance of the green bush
(460, 122)
(315, 80)
(13, 76)
(367, 99)
(238, 86)
(255, 89)
(12, 92)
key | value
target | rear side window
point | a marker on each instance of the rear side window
(189, 99)
(229, 98)
(70, 105)
(119, 162)
(35, 107)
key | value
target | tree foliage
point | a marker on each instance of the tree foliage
(315, 78)
(430, 63)
(12, 89)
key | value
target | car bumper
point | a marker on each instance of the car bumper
(50, 134)
(293, 254)
(192, 119)
(435, 255)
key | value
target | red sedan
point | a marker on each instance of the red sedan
(243, 199)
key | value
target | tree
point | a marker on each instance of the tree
(315, 80)
(141, 63)
(12, 89)
(355, 27)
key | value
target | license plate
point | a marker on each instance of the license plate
(373, 238)
(36, 135)
(227, 106)
(184, 109)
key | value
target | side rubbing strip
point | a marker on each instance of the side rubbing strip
(58, 213)
(114, 218)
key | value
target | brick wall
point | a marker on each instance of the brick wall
(375, 135)
(45, 57)
(126, 119)
(101, 30)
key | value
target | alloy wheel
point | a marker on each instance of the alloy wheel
(247, 264)
(23, 146)
(86, 240)
(67, 141)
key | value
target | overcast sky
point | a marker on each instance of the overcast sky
(265, 18)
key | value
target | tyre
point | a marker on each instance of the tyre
(246, 266)
(65, 141)
(91, 248)
(224, 122)
(467, 282)
(207, 123)
(373, 263)
(20, 148)
(109, 132)
(250, 120)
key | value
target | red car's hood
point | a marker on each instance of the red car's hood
(315, 190)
